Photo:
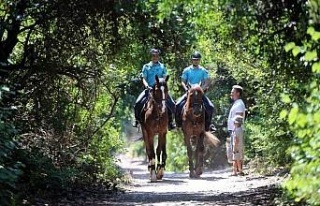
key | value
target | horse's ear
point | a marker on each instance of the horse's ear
(167, 78)
(157, 79)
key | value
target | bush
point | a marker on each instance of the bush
(10, 169)
(304, 119)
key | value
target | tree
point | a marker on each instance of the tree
(303, 118)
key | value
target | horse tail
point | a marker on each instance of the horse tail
(211, 139)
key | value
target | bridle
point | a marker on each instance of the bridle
(195, 104)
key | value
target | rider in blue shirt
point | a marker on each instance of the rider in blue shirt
(149, 72)
(195, 74)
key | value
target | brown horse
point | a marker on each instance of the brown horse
(155, 121)
(193, 127)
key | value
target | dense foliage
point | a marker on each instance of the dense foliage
(69, 78)
(304, 118)
(10, 168)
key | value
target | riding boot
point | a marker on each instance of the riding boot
(178, 120)
(178, 116)
(208, 125)
(136, 115)
(171, 125)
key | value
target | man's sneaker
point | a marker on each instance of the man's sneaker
(135, 123)
(172, 126)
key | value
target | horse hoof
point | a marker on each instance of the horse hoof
(160, 174)
(192, 174)
(199, 172)
(159, 177)
(153, 177)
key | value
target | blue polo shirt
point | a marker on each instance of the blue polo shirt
(194, 75)
(150, 70)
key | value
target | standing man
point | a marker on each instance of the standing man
(149, 72)
(238, 108)
(195, 74)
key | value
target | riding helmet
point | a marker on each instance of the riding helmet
(154, 51)
(196, 55)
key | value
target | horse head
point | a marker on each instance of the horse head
(195, 95)
(160, 92)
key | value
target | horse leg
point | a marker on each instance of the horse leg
(148, 139)
(152, 160)
(161, 153)
(190, 158)
(158, 153)
(190, 155)
(199, 154)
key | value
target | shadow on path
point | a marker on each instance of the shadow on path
(260, 196)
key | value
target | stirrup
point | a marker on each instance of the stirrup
(211, 128)
(135, 123)
(171, 126)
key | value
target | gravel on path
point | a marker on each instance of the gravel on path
(213, 188)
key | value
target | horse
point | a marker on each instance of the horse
(155, 121)
(193, 128)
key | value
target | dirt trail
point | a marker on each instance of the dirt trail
(213, 188)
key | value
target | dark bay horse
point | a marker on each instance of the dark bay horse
(155, 121)
(193, 127)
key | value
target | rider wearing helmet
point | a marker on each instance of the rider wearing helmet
(148, 74)
(195, 74)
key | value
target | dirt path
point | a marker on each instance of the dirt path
(213, 188)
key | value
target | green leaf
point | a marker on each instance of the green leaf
(316, 67)
(316, 36)
(296, 50)
(293, 114)
(310, 30)
(302, 120)
(283, 114)
(285, 98)
(311, 55)
(289, 46)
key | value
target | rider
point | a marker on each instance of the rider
(195, 74)
(149, 72)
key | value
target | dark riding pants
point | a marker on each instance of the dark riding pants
(142, 100)
(209, 109)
